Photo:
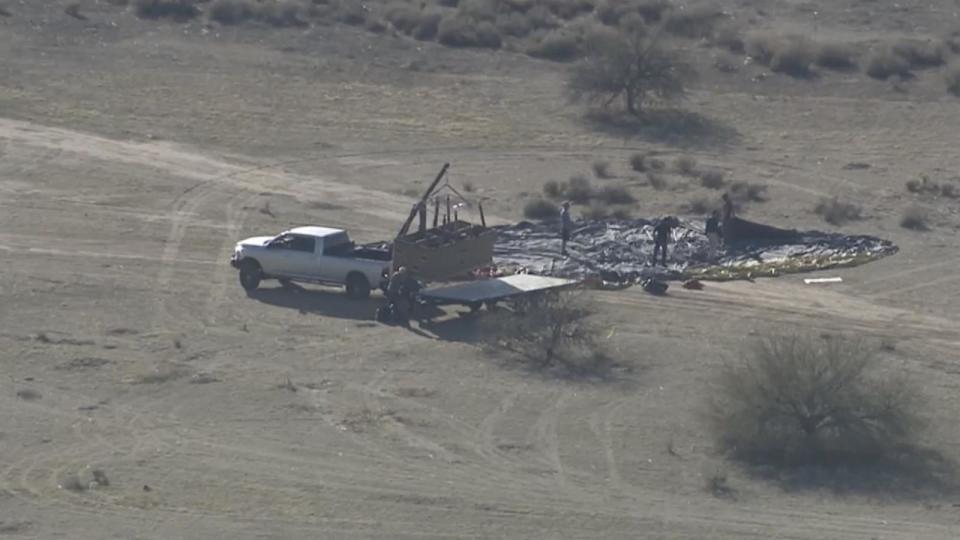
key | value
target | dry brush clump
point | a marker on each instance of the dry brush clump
(952, 78)
(461, 31)
(915, 218)
(748, 192)
(836, 56)
(657, 181)
(685, 165)
(712, 179)
(804, 400)
(577, 189)
(789, 54)
(694, 23)
(614, 195)
(178, 10)
(553, 330)
(837, 212)
(558, 46)
(540, 209)
(601, 169)
(925, 186)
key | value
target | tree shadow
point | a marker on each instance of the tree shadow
(317, 302)
(911, 472)
(675, 127)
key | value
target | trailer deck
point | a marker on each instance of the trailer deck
(492, 290)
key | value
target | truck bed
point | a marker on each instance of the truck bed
(492, 289)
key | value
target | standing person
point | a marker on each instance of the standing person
(661, 235)
(401, 295)
(566, 225)
(714, 234)
(727, 207)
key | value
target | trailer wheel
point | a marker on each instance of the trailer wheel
(358, 287)
(250, 275)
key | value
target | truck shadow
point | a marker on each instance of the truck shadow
(326, 302)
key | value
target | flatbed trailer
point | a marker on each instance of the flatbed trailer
(518, 288)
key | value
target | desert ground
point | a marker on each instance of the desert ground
(135, 153)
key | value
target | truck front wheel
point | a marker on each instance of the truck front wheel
(250, 275)
(358, 287)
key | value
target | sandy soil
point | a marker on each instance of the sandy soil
(133, 155)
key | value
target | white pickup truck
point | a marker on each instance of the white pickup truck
(314, 255)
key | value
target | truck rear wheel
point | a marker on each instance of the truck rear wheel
(250, 275)
(358, 287)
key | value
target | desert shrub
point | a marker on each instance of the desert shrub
(884, 63)
(948, 190)
(638, 162)
(352, 13)
(553, 189)
(809, 400)
(837, 212)
(461, 32)
(231, 11)
(655, 164)
(915, 218)
(376, 25)
(554, 330)
(952, 77)
(514, 24)
(428, 28)
(614, 195)
(541, 19)
(578, 190)
(73, 483)
(712, 179)
(748, 192)
(698, 206)
(761, 46)
(403, 16)
(685, 165)
(793, 56)
(558, 46)
(657, 181)
(601, 169)
(179, 10)
(478, 10)
(540, 209)
(923, 186)
(921, 54)
(726, 63)
(694, 23)
(282, 14)
(836, 56)
(595, 212)
(652, 10)
(569, 9)
(729, 35)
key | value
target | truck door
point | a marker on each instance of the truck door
(293, 255)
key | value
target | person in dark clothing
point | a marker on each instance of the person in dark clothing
(566, 225)
(727, 207)
(661, 236)
(714, 234)
(401, 295)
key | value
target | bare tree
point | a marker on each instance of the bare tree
(631, 66)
